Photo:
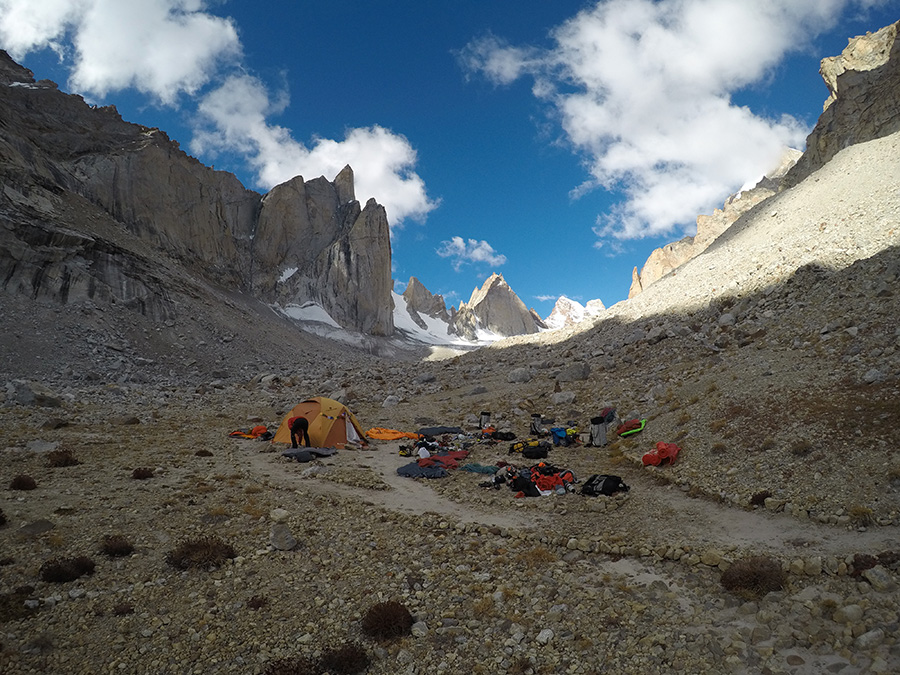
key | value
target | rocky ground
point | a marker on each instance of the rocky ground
(781, 391)
(496, 584)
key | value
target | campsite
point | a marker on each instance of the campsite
(494, 582)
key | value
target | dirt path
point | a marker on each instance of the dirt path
(405, 495)
(652, 508)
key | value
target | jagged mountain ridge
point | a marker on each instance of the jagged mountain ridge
(304, 243)
(300, 243)
(567, 312)
(494, 309)
(67, 166)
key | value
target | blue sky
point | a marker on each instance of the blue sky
(557, 143)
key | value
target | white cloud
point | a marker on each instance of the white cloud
(26, 25)
(170, 48)
(160, 47)
(643, 91)
(234, 117)
(467, 251)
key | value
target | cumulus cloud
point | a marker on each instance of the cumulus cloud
(468, 251)
(172, 49)
(234, 118)
(160, 47)
(642, 90)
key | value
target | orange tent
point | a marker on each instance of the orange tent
(331, 424)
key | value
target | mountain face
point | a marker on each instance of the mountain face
(419, 301)
(96, 208)
(494, 308)
(864, 82)
(567, 312)
(665, 259)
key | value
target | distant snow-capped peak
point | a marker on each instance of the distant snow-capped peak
(568, 312)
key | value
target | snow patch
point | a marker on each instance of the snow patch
(287, 274)
(309, 311)
(435, 332)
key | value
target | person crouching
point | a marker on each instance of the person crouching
(299, 427)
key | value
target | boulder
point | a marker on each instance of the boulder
(281, 537)
(574, 372)
(23, 392)
(519, 375)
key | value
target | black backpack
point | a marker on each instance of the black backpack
(535, 453)
(601, 484)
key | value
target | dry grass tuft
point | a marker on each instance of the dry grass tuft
(861, 516)
(483, 607)
(521, 666)
(346, 659)
(387, 620)
(203, 552)
(22, 482)
(752, 578)
(61, 570)
(538, 556)
(767, 444)
(61, 458)
(115, 545)
(801, 448)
